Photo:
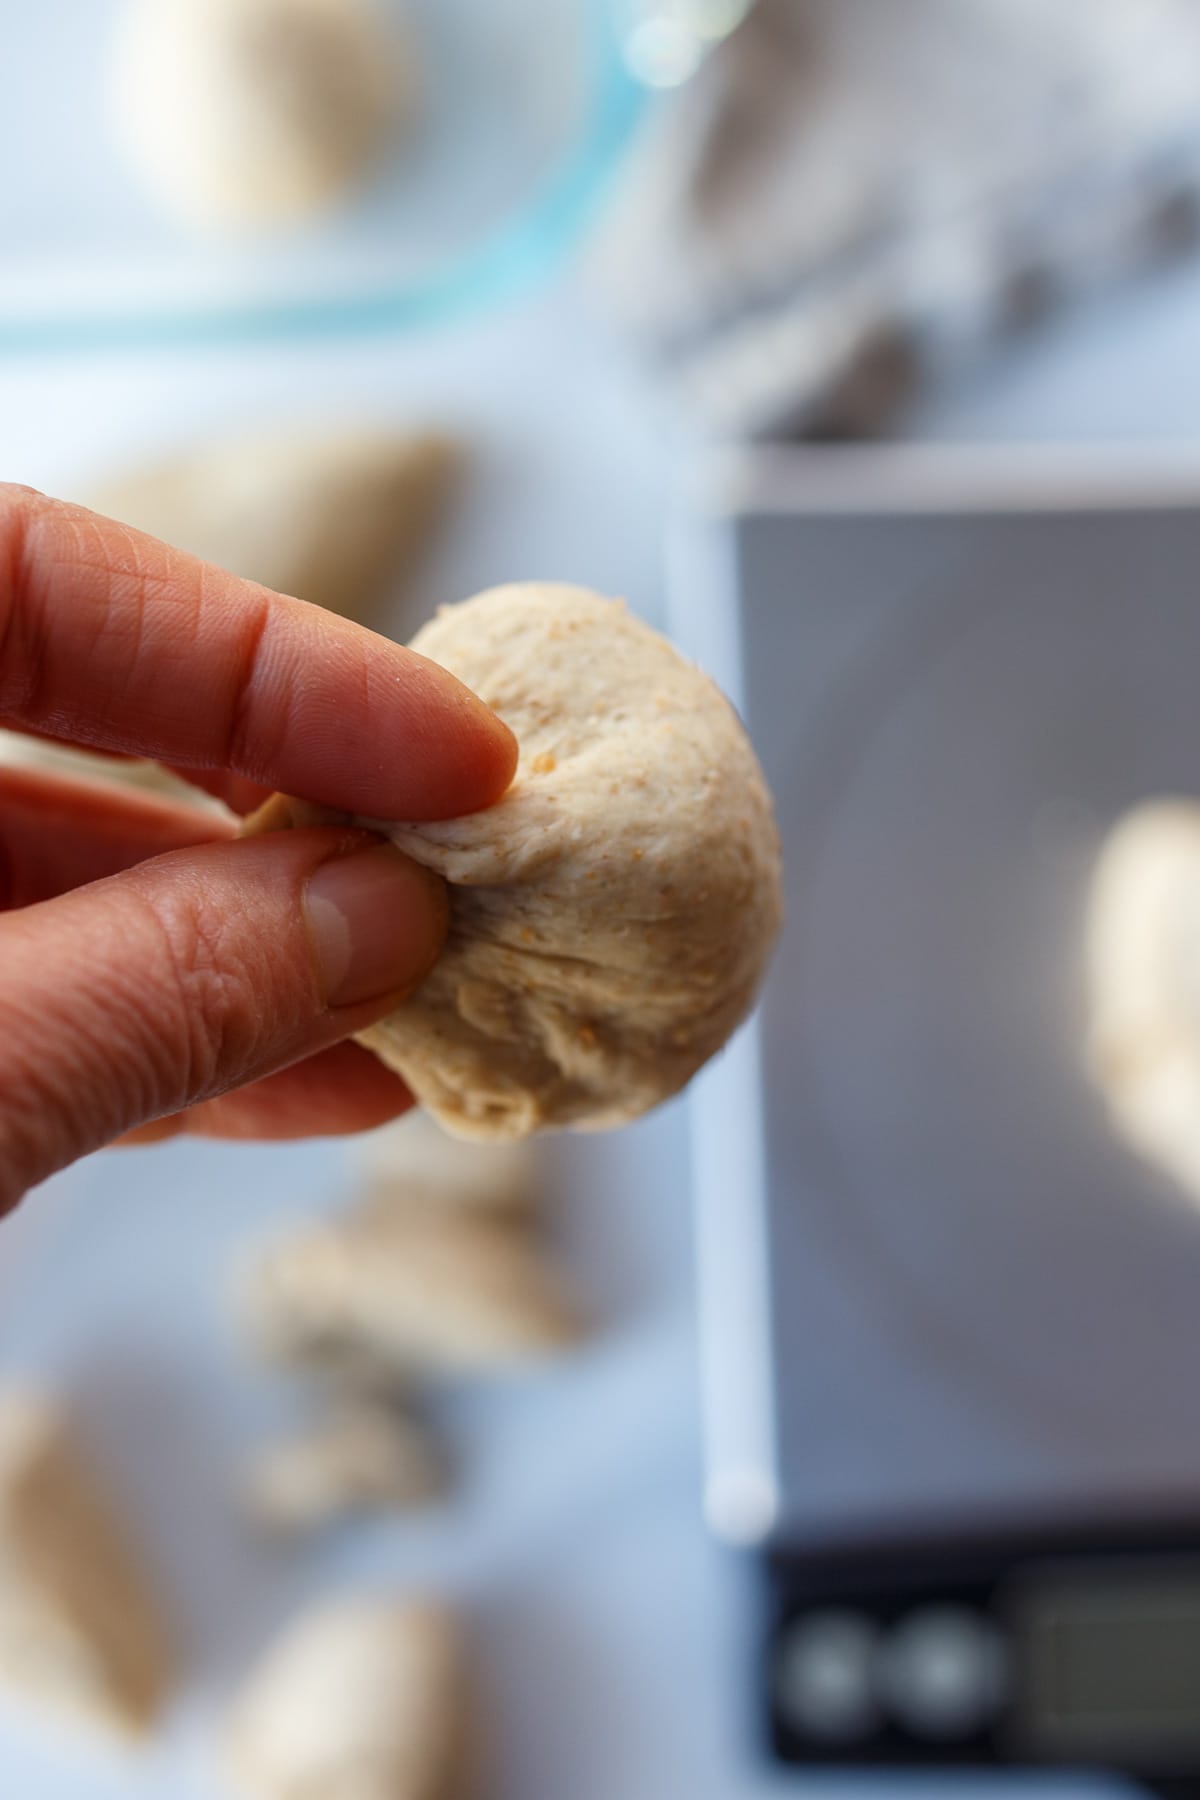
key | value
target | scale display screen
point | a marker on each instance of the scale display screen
(1109, 1661)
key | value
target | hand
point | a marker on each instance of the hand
(155, 975)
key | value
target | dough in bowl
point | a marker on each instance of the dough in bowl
(1144, 981)
(256, 113)
(612, 916)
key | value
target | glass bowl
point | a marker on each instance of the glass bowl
(525, 107)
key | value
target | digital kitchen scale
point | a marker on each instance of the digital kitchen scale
(951, 1326)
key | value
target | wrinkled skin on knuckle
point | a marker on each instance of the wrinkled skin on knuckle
(238, 1002)
(180, 1012)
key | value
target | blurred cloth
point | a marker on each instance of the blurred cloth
(856, 197)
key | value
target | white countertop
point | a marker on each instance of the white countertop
(609, 1633)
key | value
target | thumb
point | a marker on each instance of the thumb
(194, 973)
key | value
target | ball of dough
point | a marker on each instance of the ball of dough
(253, 112)
(612, 916)
(1143, 949)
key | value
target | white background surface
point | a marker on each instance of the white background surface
(608, 1633)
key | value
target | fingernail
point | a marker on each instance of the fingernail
(377, 921)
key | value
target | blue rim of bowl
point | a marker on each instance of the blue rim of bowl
(508, 260)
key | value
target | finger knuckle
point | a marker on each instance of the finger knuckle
(217, 1017)
(254, 732)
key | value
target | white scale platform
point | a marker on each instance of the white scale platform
(937, 1292)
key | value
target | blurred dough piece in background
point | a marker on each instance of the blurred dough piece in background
(243, 114)
(1143, 951)
(338, 517)
(361, 1699)
(413, 1292)
(79, 1631)
(438, 1271)
(365, 1456)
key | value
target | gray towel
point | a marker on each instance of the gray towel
(855, 196)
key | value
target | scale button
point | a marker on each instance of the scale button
(825, 1676)
(943, 1672)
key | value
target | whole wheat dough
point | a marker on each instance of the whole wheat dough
(1143, 950)
(360, 1700)
(386, 1294)
(80, 1635)
(242, 113)
(612, 916)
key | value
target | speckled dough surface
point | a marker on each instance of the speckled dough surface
(612, 916)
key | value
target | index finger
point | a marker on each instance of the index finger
(111, 639)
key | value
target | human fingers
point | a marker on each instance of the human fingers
(56, 835)
(172, 983)
(240, 795)
(111, 639)
(338, 1091)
